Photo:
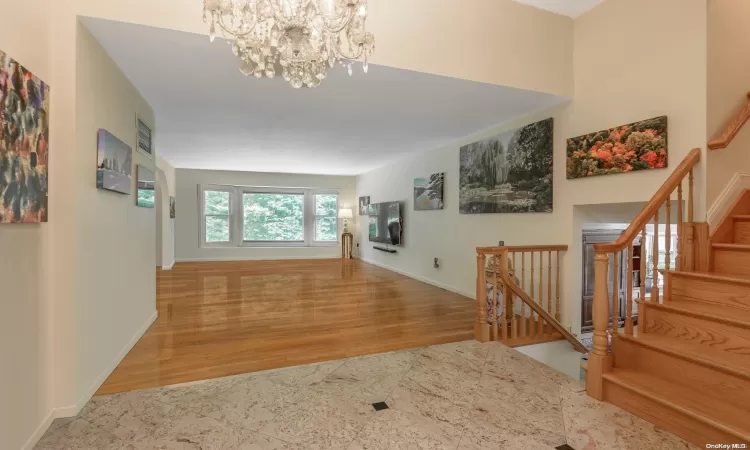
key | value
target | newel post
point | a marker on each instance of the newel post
(507, 297)
(600, 361)
(481, 327)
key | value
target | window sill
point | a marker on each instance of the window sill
(271, 246)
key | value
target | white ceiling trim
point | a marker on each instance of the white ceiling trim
(570, 8)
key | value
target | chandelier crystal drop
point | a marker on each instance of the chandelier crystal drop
(300, 39)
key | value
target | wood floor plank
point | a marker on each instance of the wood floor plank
(225, 318)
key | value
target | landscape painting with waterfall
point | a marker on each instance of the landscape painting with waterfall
(508, 173)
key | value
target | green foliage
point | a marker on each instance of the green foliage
(217, 229)
(273, 217)
(326, 228)
(217, 226)
(217, 202)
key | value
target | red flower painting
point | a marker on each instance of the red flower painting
(637, 146)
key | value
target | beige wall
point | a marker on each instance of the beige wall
(116, 267)
(188, 221)
(656, 68)
(24, 351)
(494, 41)
(618, 80)
(728, 85)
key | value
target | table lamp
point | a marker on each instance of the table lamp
(346, 214)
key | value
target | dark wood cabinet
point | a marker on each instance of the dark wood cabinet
(590, 238)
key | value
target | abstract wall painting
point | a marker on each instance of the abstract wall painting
(508, 173)
(364, 205)
(146, 186)
(172, 214)
(628, 148)
(24, 144)
(114, 164)
(428, 192)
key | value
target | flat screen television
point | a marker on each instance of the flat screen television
(385, 223)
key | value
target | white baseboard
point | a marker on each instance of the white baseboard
(254, 258)
(72, 410)
(169, 266)
(739, 182)
(39, 432)
(453, 289)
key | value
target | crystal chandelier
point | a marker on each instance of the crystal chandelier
(300, 38)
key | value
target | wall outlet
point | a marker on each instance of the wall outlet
(436, 263)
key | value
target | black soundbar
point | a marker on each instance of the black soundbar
(383, 249)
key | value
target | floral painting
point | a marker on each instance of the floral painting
(508, 173)
(636, 146)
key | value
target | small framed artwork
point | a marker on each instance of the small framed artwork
(428, 192)
(364, 205)
(115, 163)
(144, 138)
(171, 208)
(146, 186)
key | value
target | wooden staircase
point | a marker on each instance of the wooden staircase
(686, 368)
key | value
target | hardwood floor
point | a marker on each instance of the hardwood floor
(225, 318)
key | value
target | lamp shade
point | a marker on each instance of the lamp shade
(346, 213)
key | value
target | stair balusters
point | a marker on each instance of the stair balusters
(523, 318)
(605, 316)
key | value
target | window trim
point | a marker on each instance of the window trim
(237, 217)
(202, 199)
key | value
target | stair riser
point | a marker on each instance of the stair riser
(742, 232)
(715, 335)
(727, 388)
(731, 261)
(674, 421)
(685, 288)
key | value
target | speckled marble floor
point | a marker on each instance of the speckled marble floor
(463, 396)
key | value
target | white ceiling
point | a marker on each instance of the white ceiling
(570, 8)
(209, 116)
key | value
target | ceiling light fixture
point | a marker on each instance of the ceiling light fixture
(301, 38)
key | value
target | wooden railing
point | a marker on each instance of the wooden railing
(606, 283)
(733, 127)
(516, 302)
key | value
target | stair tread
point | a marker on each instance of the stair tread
(726, 314)
(731, 277)
(741, 217)
(724, 246)
(735, 365)
(700, 404)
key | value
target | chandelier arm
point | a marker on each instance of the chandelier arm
(350, 57)
(344, 15)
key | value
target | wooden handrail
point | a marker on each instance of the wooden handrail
(653, 206)
(522, 248)
(732, 128)
(545, 315)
